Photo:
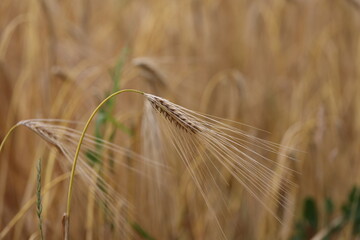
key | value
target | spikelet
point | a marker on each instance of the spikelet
(39, 128)
(171, 113)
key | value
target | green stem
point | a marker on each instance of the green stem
(80, 142)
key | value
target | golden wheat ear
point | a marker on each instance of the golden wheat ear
(216, 155)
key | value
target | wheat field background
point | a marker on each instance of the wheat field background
(288, 67)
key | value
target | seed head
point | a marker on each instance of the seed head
(174, 114)
(40, 129)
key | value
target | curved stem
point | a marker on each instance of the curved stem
(79, 145)
(7, 135)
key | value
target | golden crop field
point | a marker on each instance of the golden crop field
(244, 122)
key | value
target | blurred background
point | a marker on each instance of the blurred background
(289, 67)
